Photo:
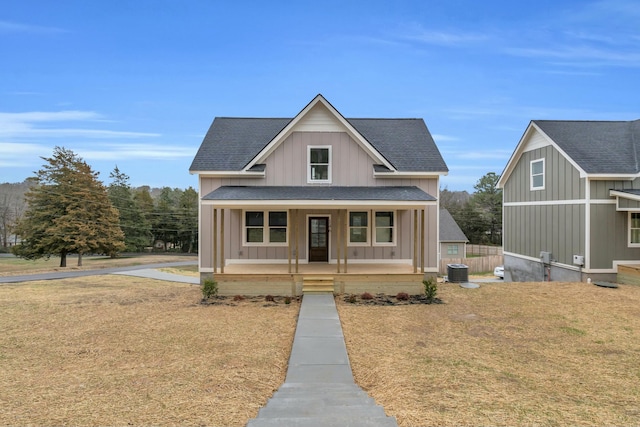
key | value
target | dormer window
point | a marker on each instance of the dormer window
(319, 165)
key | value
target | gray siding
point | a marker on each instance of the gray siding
(600, 189)
(609, 237)
(557, 229)
(562, 179)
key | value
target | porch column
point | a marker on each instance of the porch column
(346, 237)
(415, 240)
(338, 227)
(422, 218)
(215, 241)
(222, 261)
(290, 216)
(295, 229)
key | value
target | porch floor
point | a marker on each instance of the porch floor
(318, 268)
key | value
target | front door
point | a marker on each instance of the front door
(318, 239)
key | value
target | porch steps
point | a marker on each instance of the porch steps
(317, 285)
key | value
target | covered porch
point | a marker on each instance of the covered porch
(288, 240)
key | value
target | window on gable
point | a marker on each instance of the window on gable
(634, 228)
(265, 227)
(452, 250)
(319, 168)
(537, 174)
(385, 228)
(358, 228)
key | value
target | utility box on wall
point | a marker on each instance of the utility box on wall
(545, 257)
(578, 260)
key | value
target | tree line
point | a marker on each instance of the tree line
(478, 215)
(66, 209)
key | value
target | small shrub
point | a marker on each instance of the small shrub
(209, 289)
(270, 298)
(287, 300)
(366, 296)
(351, 299)
(238, 298)
(430, 289)
(402, 296)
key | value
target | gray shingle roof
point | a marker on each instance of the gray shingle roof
(607, 147)
(395, 193)
(231, 143)
(449, 229)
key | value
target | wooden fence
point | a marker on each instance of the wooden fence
(483, 250)
(476, 265)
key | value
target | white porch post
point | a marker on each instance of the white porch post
(415, 240)
(338, 226)
(295, 229)
(346, 237)
(290, 216)
(215, 241)
(222, 260)
(422, 227)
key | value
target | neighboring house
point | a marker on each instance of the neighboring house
(453, 242)
(318, 189)
(571, 194)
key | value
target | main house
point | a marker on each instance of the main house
(318, 199)
(572, 201)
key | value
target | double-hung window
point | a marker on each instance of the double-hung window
(537, 174)
(319, 164)
(384, 228)
(452, 250)
(358, 228)
(634, 229)
(265, 227)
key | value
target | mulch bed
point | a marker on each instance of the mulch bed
(387, 300)
(265, 300)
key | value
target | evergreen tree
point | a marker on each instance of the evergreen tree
(166, 223)
(488, 202)
(134, 225)
(188, 226)
(68, 212)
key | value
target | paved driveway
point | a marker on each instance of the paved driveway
(135, 270)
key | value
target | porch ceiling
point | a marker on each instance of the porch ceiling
(318, 196)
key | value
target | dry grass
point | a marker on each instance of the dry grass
(559, 354)
(128, 351)
(14, 266)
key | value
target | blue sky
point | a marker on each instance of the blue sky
(137, 83)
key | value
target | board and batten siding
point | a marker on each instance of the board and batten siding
(552, 219)
(600, 188)
(558, 229)
(562, 179)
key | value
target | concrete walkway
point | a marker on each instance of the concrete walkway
(319, 389)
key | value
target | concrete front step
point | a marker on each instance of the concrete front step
(327, 421)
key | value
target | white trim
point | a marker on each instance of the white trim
(587, 225)
(548, 203)
(288, 130)
(310, 179)
(206, 270)
(317, 204)
(374, 229)
(405, 174)
(630, 244)
(368, 227)
(531, 174)
(265, 229)
(229, 174)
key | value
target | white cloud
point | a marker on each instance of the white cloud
(30, 124)
(17, 27)
(136, 151)
(14, 154)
